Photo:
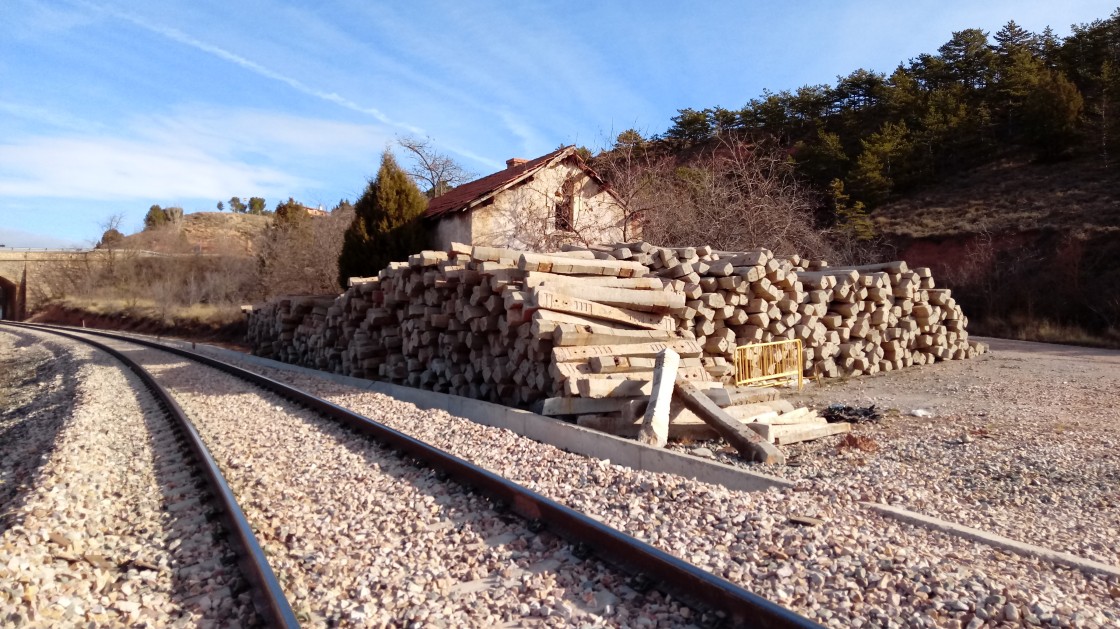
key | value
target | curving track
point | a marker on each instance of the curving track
(717, 600)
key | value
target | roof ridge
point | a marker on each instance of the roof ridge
(463, 197)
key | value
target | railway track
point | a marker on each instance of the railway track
(715, 600)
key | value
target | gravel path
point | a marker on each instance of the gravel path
(856, 568)
(359, 537)
(101, 526)
(1024, 442)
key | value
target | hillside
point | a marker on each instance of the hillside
(1032, 251)
(1009, 196)
(205, 232)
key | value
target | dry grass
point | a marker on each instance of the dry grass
(853, 441)
(1011, 195)
(204, 232)
(200, 315)
(1023, 329)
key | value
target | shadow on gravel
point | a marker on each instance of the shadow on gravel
(495, 528)
(192, 518)
(29, 424)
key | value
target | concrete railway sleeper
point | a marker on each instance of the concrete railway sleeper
(711, 600)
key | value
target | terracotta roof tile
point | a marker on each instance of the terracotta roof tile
(461, 197)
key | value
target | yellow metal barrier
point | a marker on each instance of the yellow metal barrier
(769, 364)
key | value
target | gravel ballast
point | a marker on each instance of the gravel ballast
(857, 566)
(108, 530)
(358, 536)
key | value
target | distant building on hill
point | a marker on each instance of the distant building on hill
(538, 204)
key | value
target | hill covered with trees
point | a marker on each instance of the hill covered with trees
(979, 98)
(995, 158)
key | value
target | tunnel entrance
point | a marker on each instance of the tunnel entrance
(8, 293)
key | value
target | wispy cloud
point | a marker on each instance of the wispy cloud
(98, 168)
(252, 66)
(46, 116)
(191, 152)
(16, 238)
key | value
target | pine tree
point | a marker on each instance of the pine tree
(1051, 113)
(386, 225)
(852, 218)
(256, 205)
(156, 216)
(290, 214)
(1013, 38)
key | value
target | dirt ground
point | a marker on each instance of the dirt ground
(1023, 441)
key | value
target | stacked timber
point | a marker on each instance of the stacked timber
(851, 320)
(486, 323)
(577, 332)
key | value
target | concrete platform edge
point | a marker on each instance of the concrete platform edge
(555, 432)
(992, 539)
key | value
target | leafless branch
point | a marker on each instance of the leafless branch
(434, 172)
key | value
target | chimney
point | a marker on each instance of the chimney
(515, 161)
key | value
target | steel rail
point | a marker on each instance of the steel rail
(650, 567)
(268, 597)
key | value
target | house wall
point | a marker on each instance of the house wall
(524, 217)
(455, 227)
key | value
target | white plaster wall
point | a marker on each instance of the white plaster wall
(451, 228)
(524, 217)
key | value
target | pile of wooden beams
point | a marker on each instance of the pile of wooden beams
(576, 333)
(851, 320)
(495, 324)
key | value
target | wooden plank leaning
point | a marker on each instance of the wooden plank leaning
(750, 445)
(655, 424)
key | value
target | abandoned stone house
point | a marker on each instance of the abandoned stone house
(539, 204)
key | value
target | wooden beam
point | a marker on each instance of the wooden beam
(575, 335)
(554, 300)
(554, 406)
(793, 433)
(599, 388)
(554, 264)
(655, 424)
(749, 444)
(655, 301)
(536, 278)
(685, 348)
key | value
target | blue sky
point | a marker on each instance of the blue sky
(107, 107)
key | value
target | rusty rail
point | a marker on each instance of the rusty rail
(268, 597)
(651, 567)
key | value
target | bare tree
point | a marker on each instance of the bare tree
(635, 170)
(541, 218)
(303, 258)
(433, 172)
(733, 196)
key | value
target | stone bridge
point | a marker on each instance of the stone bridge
(23, 270)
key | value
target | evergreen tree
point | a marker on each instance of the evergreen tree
(1051, 114)
(968, 58)
(852, 218)
(221, 206)
(156, 216)
(290, 214)
(386, 225)
(111, 239)
(256, 205)
(690, 126)
(236, 206)
(1013, 38)
(884, 157)
(822, 159)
